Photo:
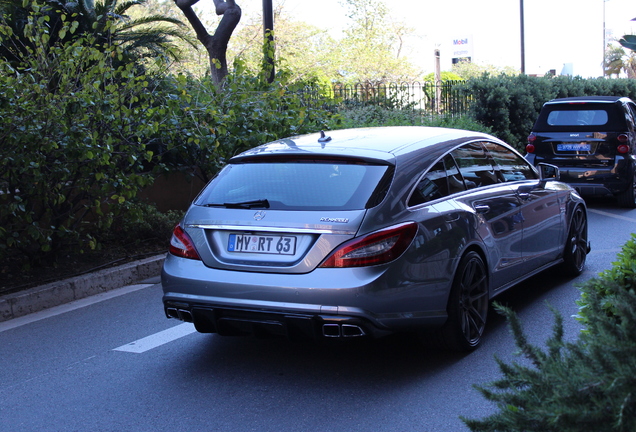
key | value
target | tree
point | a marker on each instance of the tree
(372, 45)
(617, 60)
(628, 41)
(613, 63)
(108, 21)
(467, 70)
(215, 44)
(303, 51)
(445, 76)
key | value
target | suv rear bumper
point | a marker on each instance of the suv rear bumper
(593, 180)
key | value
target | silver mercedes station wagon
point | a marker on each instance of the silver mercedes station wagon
(367, 232)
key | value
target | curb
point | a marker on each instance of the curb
(60, 292)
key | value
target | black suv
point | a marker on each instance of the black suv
(593, 142)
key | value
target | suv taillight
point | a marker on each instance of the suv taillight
(181, 245)
(379, 247)
(531, 139)
(622, 149)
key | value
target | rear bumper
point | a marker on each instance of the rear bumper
(593, 180)
(324, 303)
(244, 322)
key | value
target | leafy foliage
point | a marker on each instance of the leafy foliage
(211, 125)
(622, 272)
(107, 23)
(586, 385)
(444, 75)
(72, 129)
(81, 136)
(371, 46)
(628, 41)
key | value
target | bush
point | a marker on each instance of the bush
(81, 137)
(73, 131)
(622, 272)
(210, 125)
(140, 222)
(586, 385)
(369, 115)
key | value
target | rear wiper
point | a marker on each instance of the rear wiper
(242, 205)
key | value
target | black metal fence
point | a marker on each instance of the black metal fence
(444, 98)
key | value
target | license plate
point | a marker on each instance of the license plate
(573, 147)
(263, 244)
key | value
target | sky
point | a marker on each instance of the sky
(558, 33)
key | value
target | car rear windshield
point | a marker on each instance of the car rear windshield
(299, 185)
(580, 117)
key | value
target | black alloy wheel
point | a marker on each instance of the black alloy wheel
(467, 305)
(576, 248)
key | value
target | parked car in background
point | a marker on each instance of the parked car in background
(367, 232)
(593, 142)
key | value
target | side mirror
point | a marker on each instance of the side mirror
(548, 172)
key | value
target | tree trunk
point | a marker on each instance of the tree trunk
(216, 44)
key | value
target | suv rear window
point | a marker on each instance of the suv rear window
(298, 185)
(580, 117)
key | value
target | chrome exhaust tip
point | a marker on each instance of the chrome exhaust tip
(342, 330)
(180, 314)
(350, 330)
(185, 315)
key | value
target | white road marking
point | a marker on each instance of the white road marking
(604, 213)
(77, 304)
(158, 339)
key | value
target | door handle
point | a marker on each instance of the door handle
(481, 208)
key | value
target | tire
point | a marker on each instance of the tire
(467, 305)
(576, 246)
(627, 199)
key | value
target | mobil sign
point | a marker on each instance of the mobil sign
(462, 47)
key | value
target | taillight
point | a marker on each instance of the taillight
(181, 244)
(530, 148)
(622, 138)
(379, 247)
(622, 149)
(531, 138)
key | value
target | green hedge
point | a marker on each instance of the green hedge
(81, 137)
(589, 384)
(207, 125)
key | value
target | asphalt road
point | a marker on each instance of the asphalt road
(114, 363)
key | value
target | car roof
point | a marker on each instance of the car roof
(370, 144)
(601, 99)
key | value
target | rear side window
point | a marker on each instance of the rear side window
(441, 180)
(297, 185)
(510, 166)
(581, 116)
(475, 166)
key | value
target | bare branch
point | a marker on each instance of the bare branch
(182, 4)
(216, 45)
(221, 6)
